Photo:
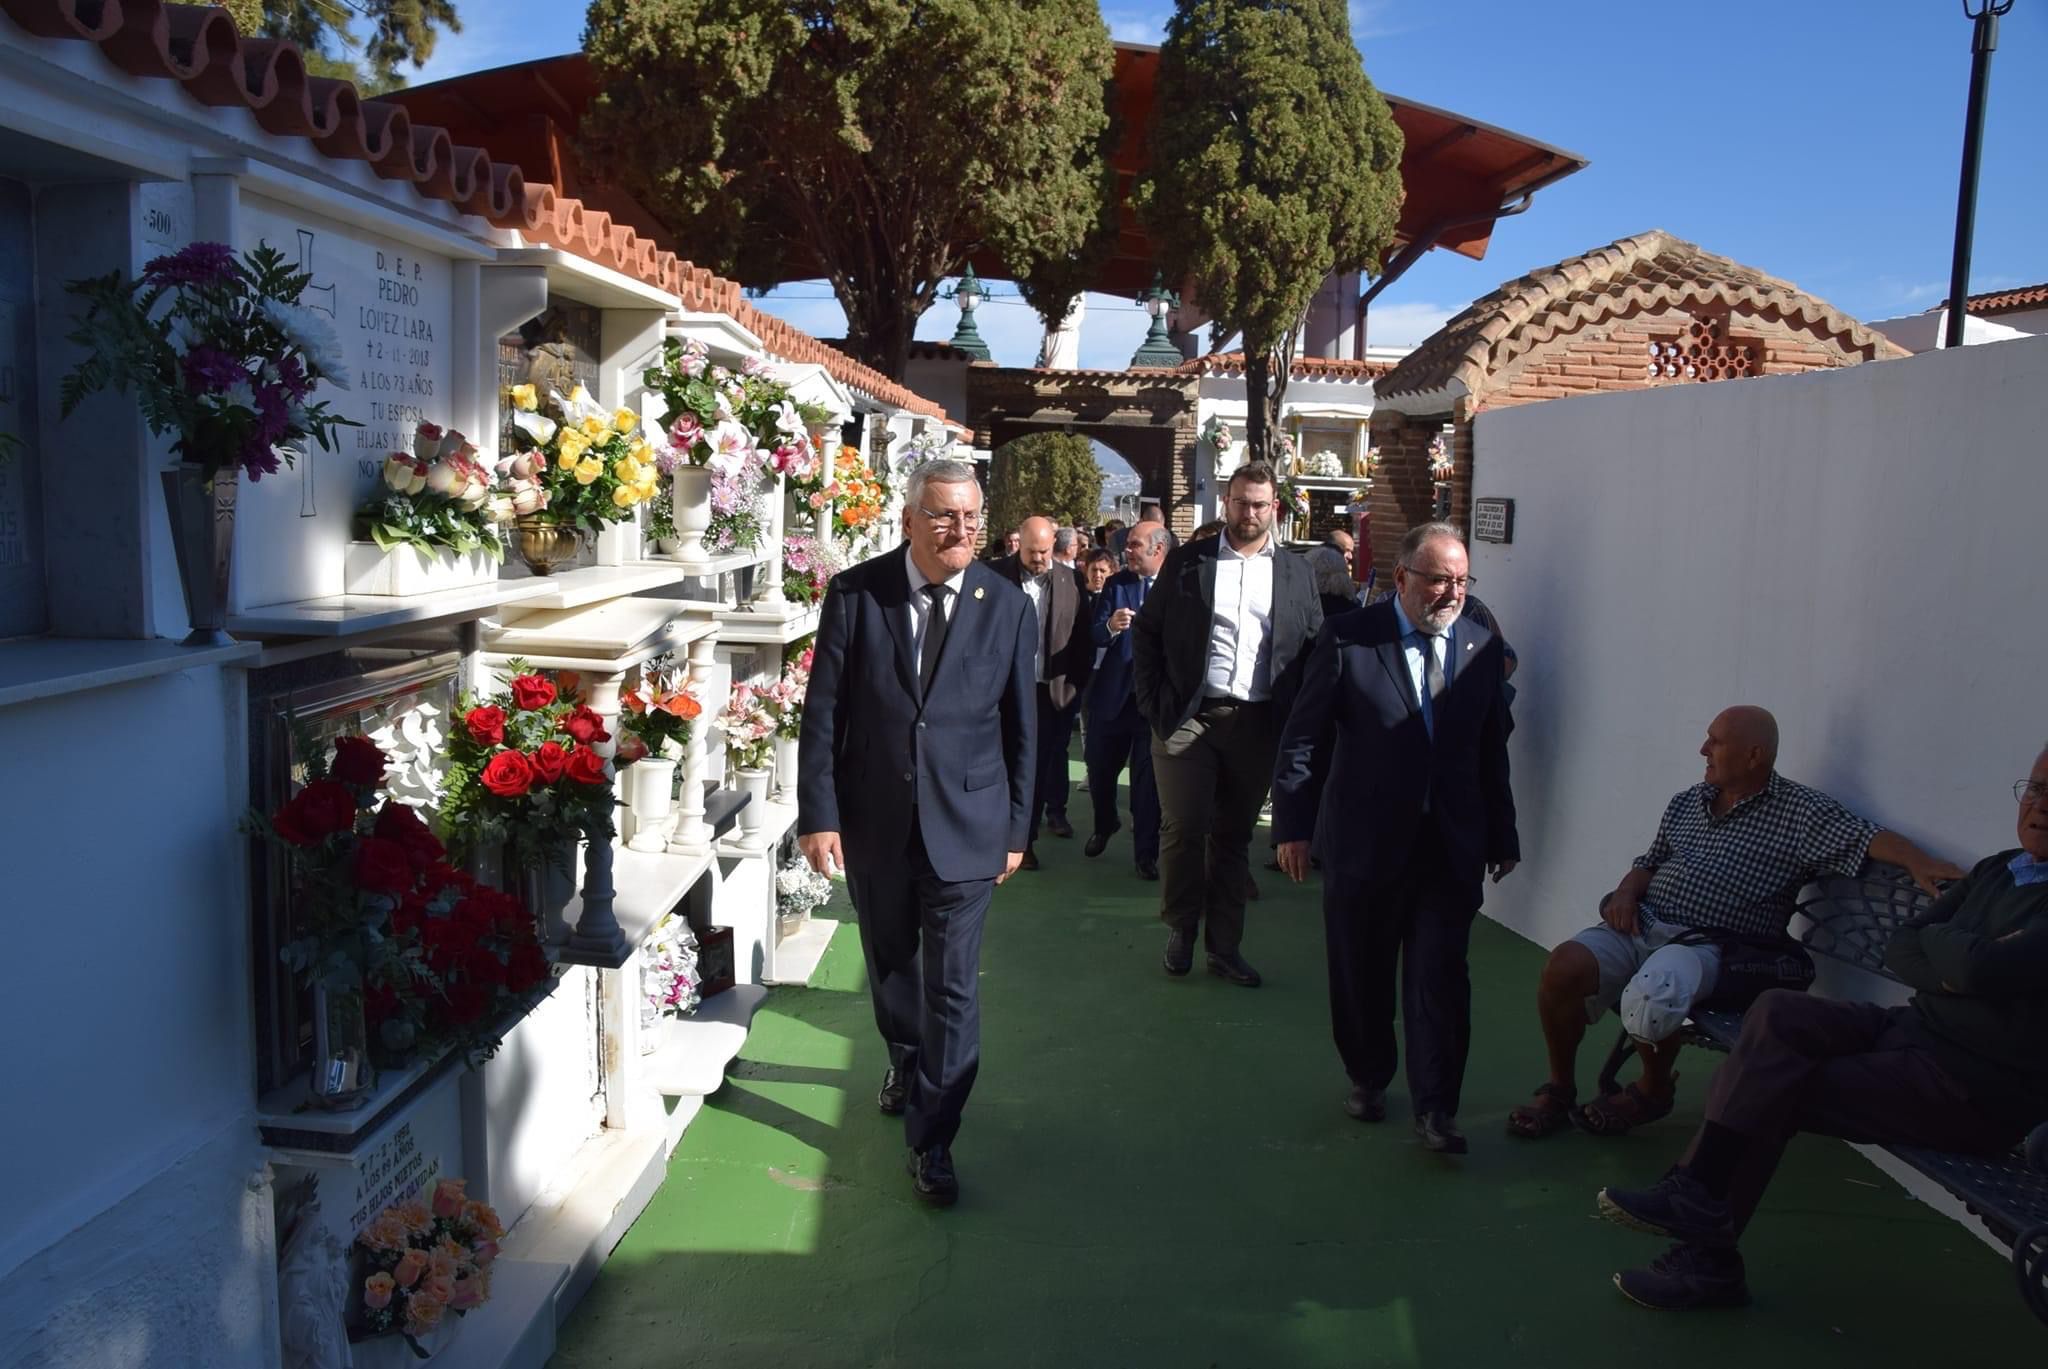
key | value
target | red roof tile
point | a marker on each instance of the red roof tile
(2009, 301)
(1305, 368)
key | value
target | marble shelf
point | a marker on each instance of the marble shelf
(798, 955)
(645, 887)
(777, 820)
(593, 584)
(757, 627)
(344, 615)
(516, 1328)
(34, 668)
(693, 1052)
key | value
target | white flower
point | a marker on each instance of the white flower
(731, 446)
(536, 426)
(788, 420)
(310, 333)
(579, 406)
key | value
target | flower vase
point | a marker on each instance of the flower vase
(754, 815)
(650, 783)
(546, 884)
(692, 516)
(202, 514)
(668, 546)
(544, 546)
(785, 767)
(342, 1075)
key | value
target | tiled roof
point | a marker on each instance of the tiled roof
(2009, 301)
(1305, 368)
(1651, 271)
(199, 47)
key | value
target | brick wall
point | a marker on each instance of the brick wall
(1403, 492)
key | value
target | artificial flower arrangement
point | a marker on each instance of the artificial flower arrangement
(661, 510)
(1323, 466)
(1218, 435)
(668, 972)
(585, 466)
(438, 496)
(739, 510)
(523, 768)
(216, 349)
(1285, 458)
(808, 565)
(716, 416)
(800, 890)
(654, 719)
(1292, 499)
(1440, 464)
(748, 722)
(855, 496)
(785, 697)
(437, 957)
(425, 1260)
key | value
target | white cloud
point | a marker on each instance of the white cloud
(1404, 324)
(1135, 25)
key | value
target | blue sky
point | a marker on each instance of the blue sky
(1816, 142)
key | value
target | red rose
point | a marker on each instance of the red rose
(486, 725)
(532, 692)
(586, 767)
(358, 761)
(400, 824)
(631, 749)
(585, 726)
(548, 759)
(409, 915)
(527, 967)
(316, 813)
(382, 866)
(483, 967)
(466, 1002)
(508, 775)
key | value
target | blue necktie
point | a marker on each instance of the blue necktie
(1432, 680)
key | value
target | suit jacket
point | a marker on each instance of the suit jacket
(1069, 652)
(1356, 760)
(874, 751)
(1170, 639)
(1112, 685)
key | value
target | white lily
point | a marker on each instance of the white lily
(539, 427)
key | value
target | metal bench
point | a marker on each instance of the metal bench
(1852, 920)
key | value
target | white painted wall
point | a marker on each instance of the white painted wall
(1925, 332)
(1858, 550)
(132, 1235)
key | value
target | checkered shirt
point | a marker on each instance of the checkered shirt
(1741, 872)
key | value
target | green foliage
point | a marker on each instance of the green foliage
(875, 143)
(1274, 164)
(401, 32)
(430, 522)
(1049, 474)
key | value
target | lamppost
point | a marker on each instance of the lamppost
(1983, 15)
(1158, 349)
(968, 293)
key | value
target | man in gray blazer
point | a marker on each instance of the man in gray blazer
(1217, 652)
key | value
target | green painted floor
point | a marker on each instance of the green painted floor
(1158, 1172)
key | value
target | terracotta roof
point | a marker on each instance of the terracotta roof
(1649, 271)
(1305, 368)
(199, 47)
(2008, 301)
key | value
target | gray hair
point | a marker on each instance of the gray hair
(1423, 533)
(940, 471)
(1063, 542)
(1332, 574)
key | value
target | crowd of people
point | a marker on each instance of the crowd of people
(944, 698)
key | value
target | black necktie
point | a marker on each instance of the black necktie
(934, 637)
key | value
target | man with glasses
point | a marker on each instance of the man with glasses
(1117, 733)
(1961, 1067)
(915, 777)
(1216, 655)
(1725, 867)
(1064, 654)
(1395, 762)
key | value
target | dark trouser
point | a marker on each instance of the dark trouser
(1420, 922)
(1055, 737)
(1114, 741)
(1850, 1070)
(922, 940)
(1212, 774)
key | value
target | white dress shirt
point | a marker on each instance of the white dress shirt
(1241, 628)
(1036, 589)
(919, 604)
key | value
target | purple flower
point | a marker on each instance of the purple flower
(258, 460)
(292, 376)
(201, 263)
(209, 370)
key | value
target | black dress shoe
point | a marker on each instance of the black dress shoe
(1180, 951)
(1439, 1132)
(1098, 842)
(931, 1174)
(1148, 869)
(1057, 824)
(1367, 1105)
(1030, 861)
(1234, 968)
(894, 1093)
(1251, 886)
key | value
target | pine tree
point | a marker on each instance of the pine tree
(1050, 474)
(401, 32)
(876, 143)
(1274, 164)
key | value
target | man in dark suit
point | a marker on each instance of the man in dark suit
(915, 777)
(1395, 759)
(1216, 654)
(1117, 732)
(1063, 656)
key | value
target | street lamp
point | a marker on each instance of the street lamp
(1158, 349)
(1983, 15)
(967, 294)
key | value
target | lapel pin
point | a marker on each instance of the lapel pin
(977, 591)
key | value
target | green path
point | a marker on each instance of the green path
(1158, 1172)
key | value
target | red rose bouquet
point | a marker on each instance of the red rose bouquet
(424, 1261)
(524, 768)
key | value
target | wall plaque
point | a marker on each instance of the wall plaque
(1493, 520)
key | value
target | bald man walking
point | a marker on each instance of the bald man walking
(1065, 654)
(1728, 860)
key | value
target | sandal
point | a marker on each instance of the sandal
(1546, 1117)
(1620, 1113)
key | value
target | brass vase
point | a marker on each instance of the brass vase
(544, 546)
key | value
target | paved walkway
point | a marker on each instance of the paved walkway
(1158, 1172)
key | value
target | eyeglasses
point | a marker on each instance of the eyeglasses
(1439, 583)
(967, 522)
(2034, 790)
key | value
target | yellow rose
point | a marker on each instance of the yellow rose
(624, 497)
(579, 395)
(524, 397)
(571, 439)
(642, 453)
(625, 420)
(627, 469)
(588, 469)
(567, 460)
(644, 492)
(595, 428)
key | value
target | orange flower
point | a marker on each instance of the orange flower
(411, 1265)
(377, 1291)
(629, 699)
(681, 705)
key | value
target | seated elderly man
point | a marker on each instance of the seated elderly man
(1962, 1067)
(1729, 858)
